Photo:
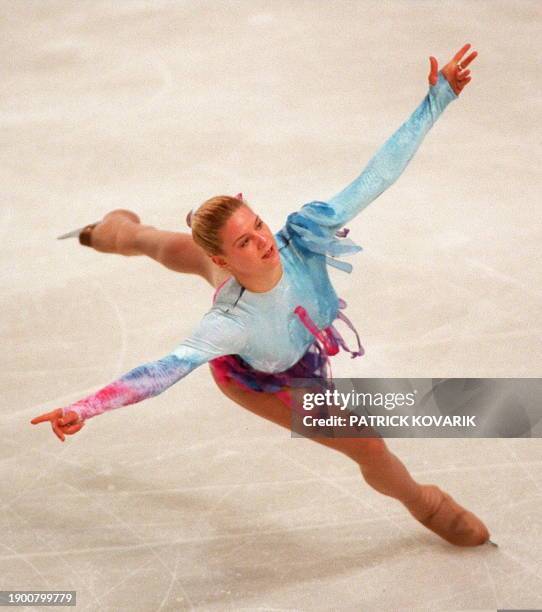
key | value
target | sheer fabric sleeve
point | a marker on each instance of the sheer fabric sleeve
(216, 335)
(316, 223)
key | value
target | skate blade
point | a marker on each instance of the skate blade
(74, 233)
(493, 543)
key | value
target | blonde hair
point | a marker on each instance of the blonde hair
(207, 221)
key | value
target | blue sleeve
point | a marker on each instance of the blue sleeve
(384, 168)
(216, 335)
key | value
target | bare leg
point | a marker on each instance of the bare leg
(121, 232)
(382, 470)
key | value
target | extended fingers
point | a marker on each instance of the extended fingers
(464, 63)
(45, 417)
(461, 52)
(60, 424)
(469, 59)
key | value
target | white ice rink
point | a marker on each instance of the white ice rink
(186, 501)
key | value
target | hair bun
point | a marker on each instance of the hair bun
(189, 219)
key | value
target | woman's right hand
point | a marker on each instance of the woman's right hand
(61, 425)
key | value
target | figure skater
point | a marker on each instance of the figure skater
(271, 321)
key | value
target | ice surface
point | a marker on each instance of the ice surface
(187, 501)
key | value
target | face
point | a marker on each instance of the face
(248, 245)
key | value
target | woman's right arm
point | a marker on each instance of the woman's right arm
(216, 335)
(141, 383)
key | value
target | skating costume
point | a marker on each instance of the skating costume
(264, 341)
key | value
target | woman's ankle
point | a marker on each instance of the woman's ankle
(115, 233)
(415, 500)
(85, 235)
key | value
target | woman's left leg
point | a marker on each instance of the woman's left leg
(121, 232)
(382, 470)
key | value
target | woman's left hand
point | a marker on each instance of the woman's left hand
(455, 70)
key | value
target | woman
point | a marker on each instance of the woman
(271, 320)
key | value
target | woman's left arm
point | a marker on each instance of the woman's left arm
(392, 158)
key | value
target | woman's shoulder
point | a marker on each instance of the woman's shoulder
(315, 229)
(227, 295)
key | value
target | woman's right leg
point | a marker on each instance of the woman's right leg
(381, 469)
(121, 232)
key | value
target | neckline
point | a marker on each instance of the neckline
(279, 282)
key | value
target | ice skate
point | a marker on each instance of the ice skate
(440, 513)
(83, 234)
(111, 220)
